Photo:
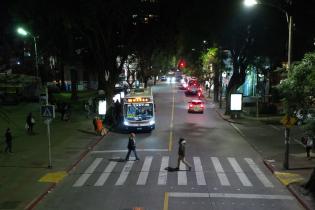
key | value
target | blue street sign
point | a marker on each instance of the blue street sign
(48, 111)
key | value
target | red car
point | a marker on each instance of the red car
(196, 106)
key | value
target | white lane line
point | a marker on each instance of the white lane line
(145, 171)
(102, 179)
(229, 195)
(181, 175)
(261, 176)
(220, 172)
(124, 150)
(163, 173)
(87, 173)
(275, 127)
(241, 175)
(237, 129)
(125, 172)
(199, 171)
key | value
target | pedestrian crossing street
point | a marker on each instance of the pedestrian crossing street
(120, 171)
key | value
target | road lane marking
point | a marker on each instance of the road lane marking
(239, 172)
(199, 171)
(220, 172)
(181, 175)
(124, 150)
(102, 179)
(145, 171)
(165, 207)
(170, 145)
(261, 176)
(237, 129)
(88, 172)
(229, 195)
(163, 173)
(125, 172)
(275, 127)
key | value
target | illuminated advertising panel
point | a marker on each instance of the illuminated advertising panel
(236, 102)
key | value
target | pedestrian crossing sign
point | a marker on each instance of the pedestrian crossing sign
(48, 111)
(288, 121)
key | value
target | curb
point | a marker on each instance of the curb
(228, 120)
(35, 201)
(289, 187)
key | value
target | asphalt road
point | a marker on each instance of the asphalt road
(227, 172)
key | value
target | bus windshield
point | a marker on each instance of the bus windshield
(139, 111)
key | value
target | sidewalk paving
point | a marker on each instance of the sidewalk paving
(24, 175)
(300, 168)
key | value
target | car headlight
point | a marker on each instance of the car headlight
(126, 122)
(152, 122)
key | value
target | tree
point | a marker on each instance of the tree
(210, 67)
(298, 92)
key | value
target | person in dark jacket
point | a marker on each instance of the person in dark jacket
(8, 141)
(182, 153)
(132, 146)
(30, 121)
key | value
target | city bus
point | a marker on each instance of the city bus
(138, 110)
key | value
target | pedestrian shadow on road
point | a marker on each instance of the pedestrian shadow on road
(87, 132)
(118, 159)
(172, 169)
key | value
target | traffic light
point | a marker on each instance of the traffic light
(181, 64)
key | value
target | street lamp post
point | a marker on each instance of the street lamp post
(250, 3)
(23, 32)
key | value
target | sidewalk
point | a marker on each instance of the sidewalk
(299, 167)
(24, 175)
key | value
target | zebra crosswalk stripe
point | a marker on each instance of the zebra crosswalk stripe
(163, 173)
(182, 176)
(142, 179)
(261, 176)
(199, 171)
(102, 179)
(220, 172)
(80, 182)
(125, 172)
(239, 172)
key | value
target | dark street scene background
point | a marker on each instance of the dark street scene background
(157, 105)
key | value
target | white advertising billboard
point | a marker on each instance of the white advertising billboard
(236, 102)
(102, 107)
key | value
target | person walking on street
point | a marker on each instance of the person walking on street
(182, 153)
(30, 121)
(132, 146)
(308, 146)
(8, 141)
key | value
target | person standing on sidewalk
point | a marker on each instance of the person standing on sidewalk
(8, 141)
(132, 146)
(309, 146)
(182, 153)
(30, 121)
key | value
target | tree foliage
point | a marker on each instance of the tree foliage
(298, 90)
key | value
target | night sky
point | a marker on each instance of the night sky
(217, 20)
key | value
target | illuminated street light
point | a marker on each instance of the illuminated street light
(250, 3)
(23, 32)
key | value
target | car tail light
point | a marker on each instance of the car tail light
(202, 106)
(190, 105)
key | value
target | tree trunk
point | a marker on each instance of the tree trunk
(216, 84)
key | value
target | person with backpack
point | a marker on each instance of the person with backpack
(132, 146)
(181, 154)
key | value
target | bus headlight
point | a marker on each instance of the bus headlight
(152, 122)
(126, 122)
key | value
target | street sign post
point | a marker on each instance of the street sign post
(287, 122)
(48, 113)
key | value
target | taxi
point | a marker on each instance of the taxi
(196, 106)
